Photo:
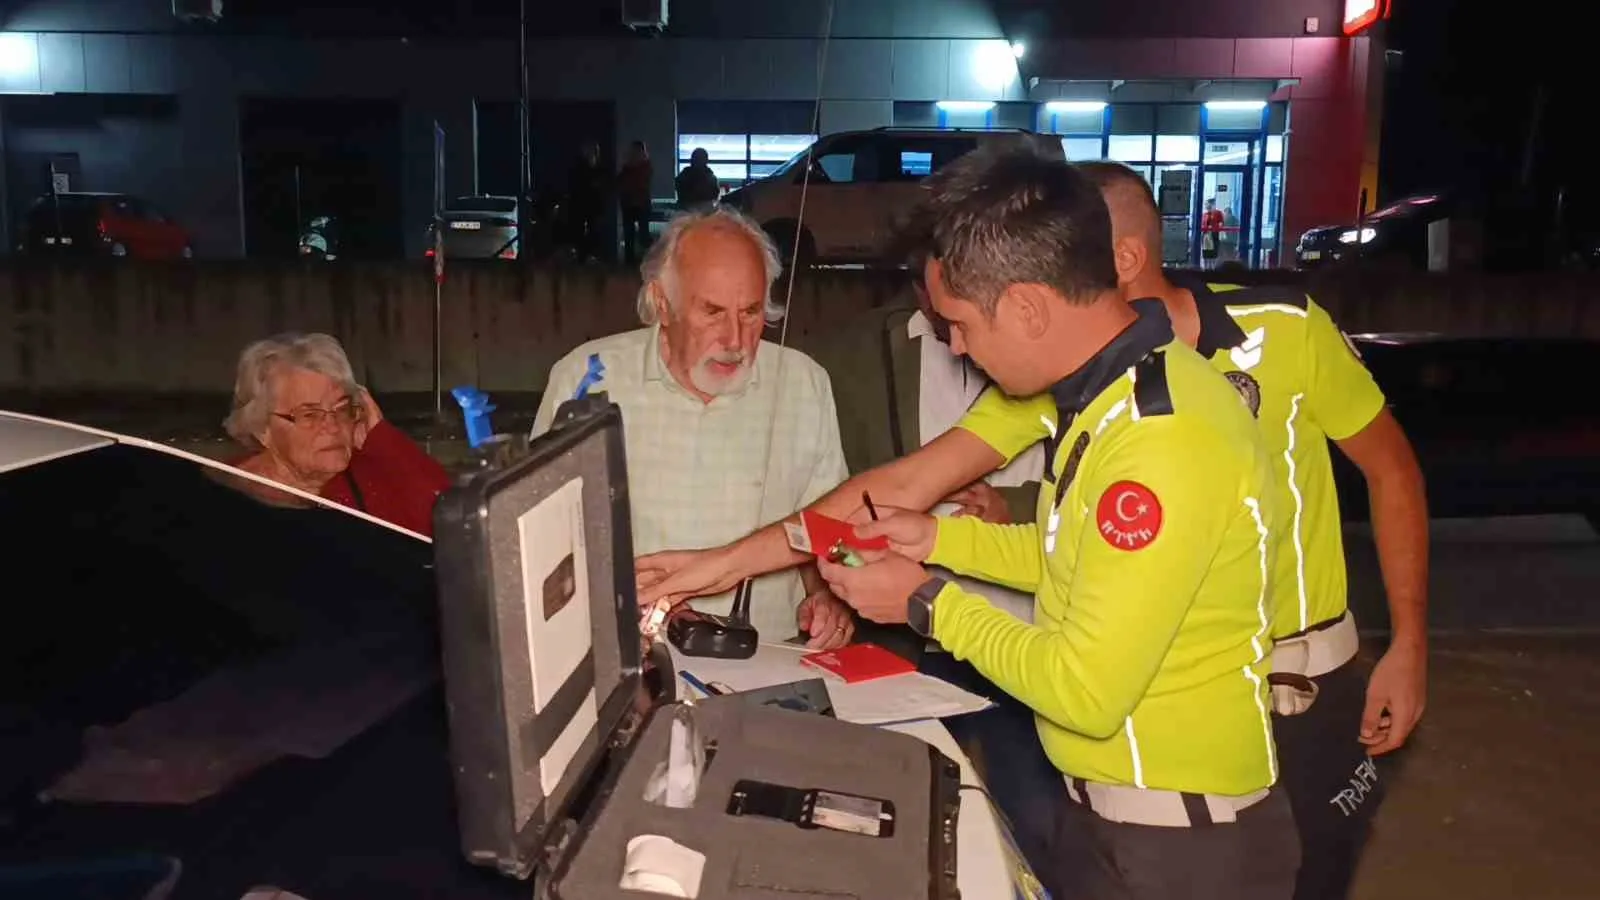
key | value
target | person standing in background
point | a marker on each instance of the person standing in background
(1210, 234)
(697, 183)
(633, 197)
(586, 201)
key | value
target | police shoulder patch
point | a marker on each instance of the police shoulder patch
(1249, 390)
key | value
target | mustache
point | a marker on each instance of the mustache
(726, 357)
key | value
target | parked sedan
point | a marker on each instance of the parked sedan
(205, 694)
(480, 227)
(1394, 234)
(1502, 426)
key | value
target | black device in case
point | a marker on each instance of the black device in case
(567, 825)
(723, 637)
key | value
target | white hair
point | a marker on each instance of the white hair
(657, 270)
(253, 398)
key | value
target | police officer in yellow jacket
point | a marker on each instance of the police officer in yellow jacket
(1149, 559)
(1309, 391)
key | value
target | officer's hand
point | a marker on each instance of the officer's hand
(910, 533)
(983, 500)
(679, 575)
(878, 590)
(1396, 695)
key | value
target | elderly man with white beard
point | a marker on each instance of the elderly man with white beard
(725, 432)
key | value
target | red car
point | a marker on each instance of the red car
(91, 224)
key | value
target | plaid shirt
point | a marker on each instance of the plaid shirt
(703, 474)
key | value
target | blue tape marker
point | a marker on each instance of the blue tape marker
(475, 409)
(591, 377)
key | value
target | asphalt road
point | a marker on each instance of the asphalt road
(1494, 797)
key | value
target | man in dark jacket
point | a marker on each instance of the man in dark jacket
(587, 187)
(633, 198)
(697, 183)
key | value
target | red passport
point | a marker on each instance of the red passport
(817, 534)
(859, 662)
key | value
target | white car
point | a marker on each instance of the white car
(203, 693)
(861, 184)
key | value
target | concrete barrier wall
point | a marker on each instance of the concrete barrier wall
(179, 328)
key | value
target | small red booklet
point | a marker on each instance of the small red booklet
(859, 662)
(817, 534)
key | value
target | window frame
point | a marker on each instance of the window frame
(749, 161)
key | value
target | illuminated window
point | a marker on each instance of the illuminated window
(1131, 148)
(1274, 148)
(914, 164)
(1079, 149)
(741, 158)
(1230, 153)
(1178, 148)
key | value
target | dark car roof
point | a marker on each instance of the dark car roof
(1452, 375)
(142, 584)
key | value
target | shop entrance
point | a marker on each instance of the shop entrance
(1230, 175)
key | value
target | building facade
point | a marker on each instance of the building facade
(1267, 109)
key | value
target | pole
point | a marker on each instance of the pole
(438, 321)
(525, 166)
(438, 352)
(299, 213)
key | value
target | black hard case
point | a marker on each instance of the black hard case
(572, 841)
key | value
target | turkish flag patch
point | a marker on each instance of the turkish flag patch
(1128, 516)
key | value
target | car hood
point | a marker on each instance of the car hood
(28, 440)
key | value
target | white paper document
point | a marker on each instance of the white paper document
(898, 698)
(555, 572)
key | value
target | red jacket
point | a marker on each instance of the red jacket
(396, 480)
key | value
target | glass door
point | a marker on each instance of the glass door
(1227, 229)
(1271, 210)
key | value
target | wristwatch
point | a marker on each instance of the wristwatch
(919, 606)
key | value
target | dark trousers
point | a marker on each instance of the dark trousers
(1253, 858)
(635, 234)
(1331, 782)
(585, 234)
(1023, 782)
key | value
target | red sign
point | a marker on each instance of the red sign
(1128, 515)
(1359, 15)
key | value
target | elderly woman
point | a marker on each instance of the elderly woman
(298, 409)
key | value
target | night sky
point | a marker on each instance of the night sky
(1463, 92)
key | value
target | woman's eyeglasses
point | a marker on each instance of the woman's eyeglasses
(314, 417)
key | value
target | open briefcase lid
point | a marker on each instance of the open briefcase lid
(540, 633)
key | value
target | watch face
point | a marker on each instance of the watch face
(919, 613)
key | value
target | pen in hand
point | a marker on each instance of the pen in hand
(872, 511)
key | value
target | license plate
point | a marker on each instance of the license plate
(466, 226)
(1311, 254)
